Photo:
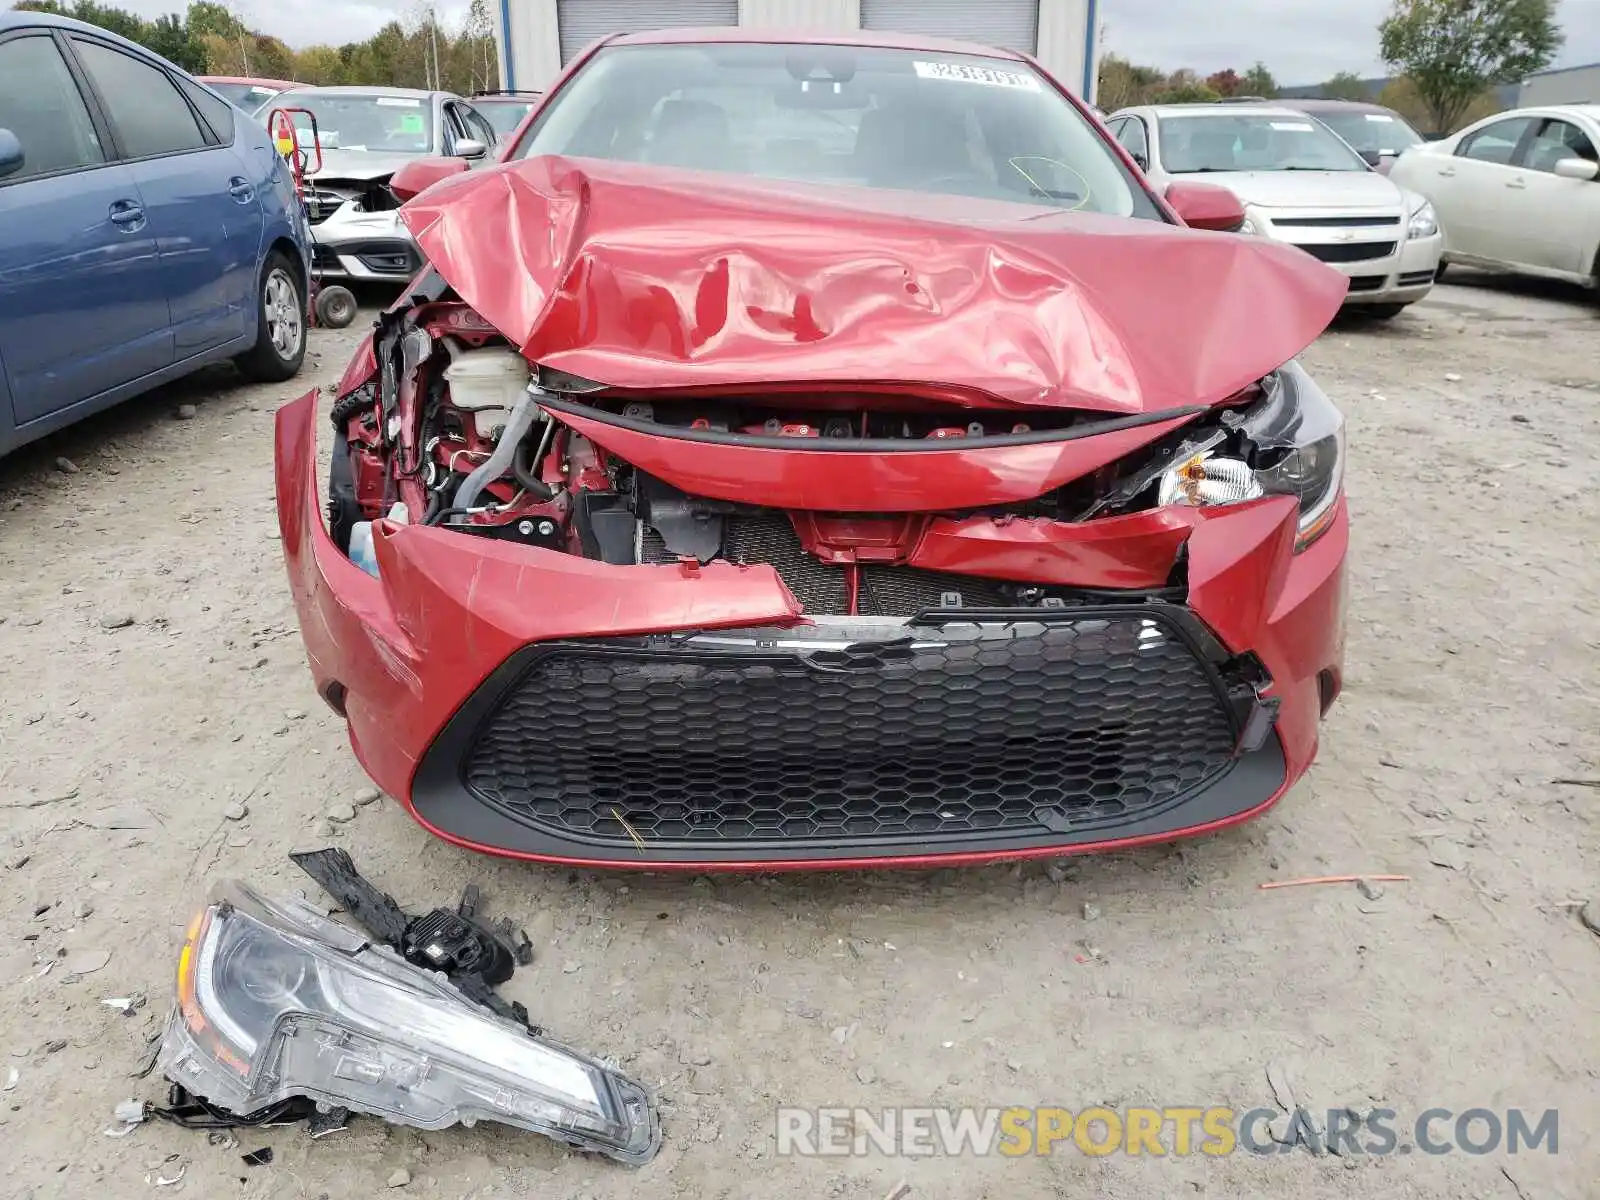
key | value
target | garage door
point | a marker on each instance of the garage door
(1013, 24)
(583, 21)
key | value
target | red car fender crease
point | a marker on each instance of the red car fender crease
(421, 568)
(1133, 551)
(908, 480)
(1246, 560)
(362, 367)
(760, 281)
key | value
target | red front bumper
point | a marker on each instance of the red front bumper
(401, 655)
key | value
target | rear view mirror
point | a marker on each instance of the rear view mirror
(470, 148)
(420, 174)
(10, 153)
(815, 94)
(1567, 168)
(1206, 206)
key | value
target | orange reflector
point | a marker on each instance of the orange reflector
(188, 965)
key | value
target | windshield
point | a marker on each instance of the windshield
(503, 115)
(392, 124)
(248, 96)
(1381, 133)
(1240, 142)
(923, 121)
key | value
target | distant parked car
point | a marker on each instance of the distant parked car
(1300, 184)
(366, 134)
(249, 94)
(504, 110)
(146, 229)
(1517, 191)
(1380, 135)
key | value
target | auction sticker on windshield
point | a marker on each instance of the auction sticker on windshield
(965, 73)
(1292, 126)
(398, 102)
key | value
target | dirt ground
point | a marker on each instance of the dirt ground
(1161, 977)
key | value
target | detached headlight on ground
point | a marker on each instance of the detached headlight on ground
(1423, 222)
(275, 1000)
(1291, 444)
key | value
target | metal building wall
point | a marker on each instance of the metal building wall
(824, 16)
(528, 35)
(1069, 42)
(1577, 85)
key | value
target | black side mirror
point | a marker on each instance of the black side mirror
(10, 153)
(1142, 161)
(1371, 157)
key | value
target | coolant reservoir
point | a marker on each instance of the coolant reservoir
(487, 383)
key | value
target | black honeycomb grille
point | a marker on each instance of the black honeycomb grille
(1080, 723)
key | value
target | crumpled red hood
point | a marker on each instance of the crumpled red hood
(649, 277)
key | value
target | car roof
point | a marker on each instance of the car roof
(789, 37)
(357, 89)
(1592, 111)
(1226, 110)
(1317, 104)
(17, 18)
(253, 81)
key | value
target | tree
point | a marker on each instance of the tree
(1123, 84)
(1345, 86)
(1454, 50)
(1225, 83)
(1186, 92)
(1401, 95)
(169, 37)
(1258, 81)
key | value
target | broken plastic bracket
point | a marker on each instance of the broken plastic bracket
(474, 956)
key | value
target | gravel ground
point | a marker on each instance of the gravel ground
(160, 731)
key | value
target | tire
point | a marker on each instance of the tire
(335, 306)
(280, 324)
(1384, 312)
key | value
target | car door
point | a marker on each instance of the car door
(82, 305)
(1477, 207)
(1563, 215)
(457, 130)
(203, 208)
(1135, 141)
(479, 129)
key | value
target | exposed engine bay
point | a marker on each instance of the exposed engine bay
(451, 427)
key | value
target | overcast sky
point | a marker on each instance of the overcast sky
(1301, 41)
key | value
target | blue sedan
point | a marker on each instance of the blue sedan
(147, 228)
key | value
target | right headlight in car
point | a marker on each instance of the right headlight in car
(1292, 444)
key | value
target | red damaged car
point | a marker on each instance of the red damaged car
(824, 453)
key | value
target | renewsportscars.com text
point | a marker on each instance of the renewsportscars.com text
(1158, 1132)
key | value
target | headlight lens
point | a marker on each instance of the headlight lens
(1423, 222)
(1249, 226)
(1293, 446)
(276, 1001)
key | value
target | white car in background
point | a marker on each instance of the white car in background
(1517, 191)
(365, 135)
(1299, 183)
